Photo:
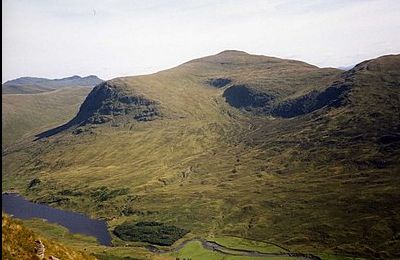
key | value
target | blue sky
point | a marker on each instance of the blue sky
(54, 38)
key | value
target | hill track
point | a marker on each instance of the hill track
(214, 246)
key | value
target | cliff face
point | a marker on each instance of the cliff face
(259, 102)
(333, 96)
(242, 96)
(110, 102)
(107, 101)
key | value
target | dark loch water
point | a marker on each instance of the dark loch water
(18, 206)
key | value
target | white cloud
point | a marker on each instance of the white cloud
(115, 38)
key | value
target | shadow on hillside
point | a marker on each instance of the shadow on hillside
(55, 130)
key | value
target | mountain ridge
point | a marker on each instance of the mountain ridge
(265, 65)
(31, 85)
(323, 179)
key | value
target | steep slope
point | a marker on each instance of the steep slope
(18, 242)
(24, 115)
(31, 85)
(109, 102)
(244, 145)
(342, 164)
(190, 88)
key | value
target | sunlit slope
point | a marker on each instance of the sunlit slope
(24, 114)
(245, 145)
(18, 242)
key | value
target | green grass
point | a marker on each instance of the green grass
(85, 243)
(245, 244)
(320, 183)
(194, 250)
(60, 233)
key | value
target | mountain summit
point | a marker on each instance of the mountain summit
(233, 144)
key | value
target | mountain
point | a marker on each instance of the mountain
(233, 144)
(348, 67)
(29, 113)
(31, 85)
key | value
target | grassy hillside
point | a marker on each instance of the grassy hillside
(29, 89)
(24, 115)
(18, 242)
(243, 145)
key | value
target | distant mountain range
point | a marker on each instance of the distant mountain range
(31, 85)
(29, 113)
(346, 67)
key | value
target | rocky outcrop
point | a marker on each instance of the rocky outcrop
(242, 96)
(39, 249)
(34, 183)
(258, 102)
(333, 96)
(219, 82)
(106, 102)
(110, 102)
